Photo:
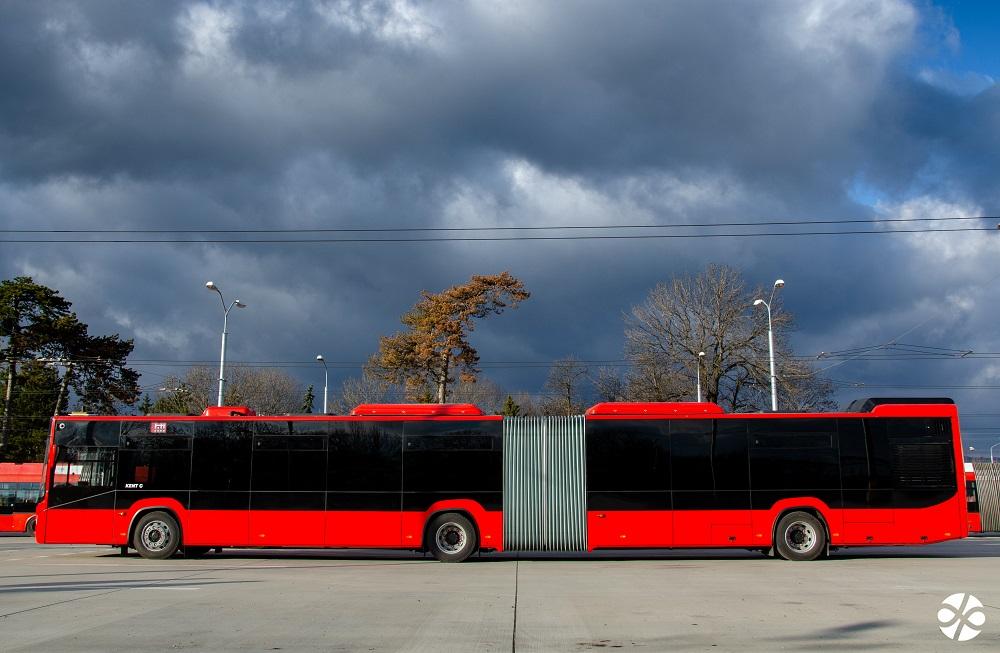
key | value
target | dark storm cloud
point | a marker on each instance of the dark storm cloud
(274, 114)
(576, 86)
(954, 139)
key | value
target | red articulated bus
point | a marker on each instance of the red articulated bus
(453, 481)
(20, 490)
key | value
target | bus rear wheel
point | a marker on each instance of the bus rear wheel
(157, 536)
(800, 536)
(451, 537)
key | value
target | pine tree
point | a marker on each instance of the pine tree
(146, 405)
(307, 400)
(32, 407)
(36, 323)
(510, 408)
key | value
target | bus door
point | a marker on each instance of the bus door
(82, 498)
(867, 491)
(288, 484)
(711, 485)
(220, 484)
(730, 521)
(693, 482)
(628, 484)
(364, 484)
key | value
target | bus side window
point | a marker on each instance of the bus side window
(85, 467)
(84, 477)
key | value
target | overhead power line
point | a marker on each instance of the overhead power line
(911, 386)
(495, 233)
(450, 239)
(846, 355)
(303, 230)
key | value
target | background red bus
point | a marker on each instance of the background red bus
(972, 496)
(20, 490)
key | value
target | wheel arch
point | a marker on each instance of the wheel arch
(808, 509)
(467, 511)
(145, 510)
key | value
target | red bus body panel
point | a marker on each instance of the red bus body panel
(15, 523)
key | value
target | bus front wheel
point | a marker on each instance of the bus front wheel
(451, 537)
(157, 536)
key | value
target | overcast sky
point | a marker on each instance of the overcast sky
(195, 115)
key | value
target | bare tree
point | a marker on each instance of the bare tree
(648, 381)
(712, 312)
(530, 405)
(567, 378)
(610, 385)
(268, 391)
(484, 393)
(366, 389)
(804, 391)
(188, 394)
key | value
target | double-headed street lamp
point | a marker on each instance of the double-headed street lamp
(701, 355)
(326, 378)
(225, 331)
(770, 340)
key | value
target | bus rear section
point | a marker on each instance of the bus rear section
(684, 475)
(453, 481)
(20, 490)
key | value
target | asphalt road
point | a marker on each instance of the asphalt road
(87, 598)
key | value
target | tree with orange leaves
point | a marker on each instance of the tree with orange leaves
(436, 342)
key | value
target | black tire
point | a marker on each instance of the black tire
(800, 536)
(29, 528)
(451, 537)
(157, 536)
(196, 551)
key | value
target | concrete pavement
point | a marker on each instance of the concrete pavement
(73, 598)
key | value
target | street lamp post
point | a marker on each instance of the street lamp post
(770, 341)
(326, 378)
(225, 331)
(701, 355)
(991, 452)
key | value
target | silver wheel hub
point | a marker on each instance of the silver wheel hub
(451, 537)
(800, 537)
(156, 535)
